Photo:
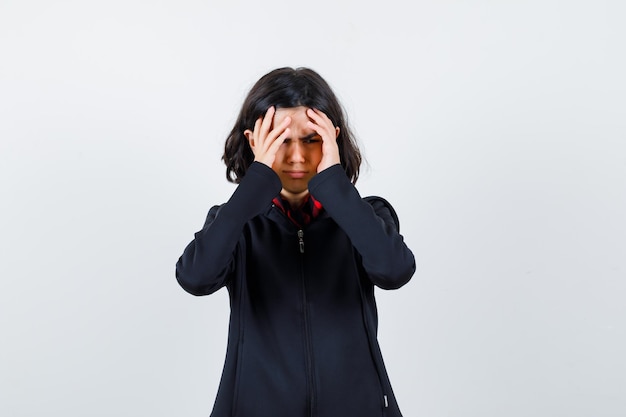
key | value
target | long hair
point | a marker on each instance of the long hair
(286, 88)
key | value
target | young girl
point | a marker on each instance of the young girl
(300, 253)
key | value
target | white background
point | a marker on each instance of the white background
(496, 128)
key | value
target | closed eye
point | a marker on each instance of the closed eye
(312, 138)
(309, 139)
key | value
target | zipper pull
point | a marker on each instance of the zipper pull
(386, 401)
(301, 240)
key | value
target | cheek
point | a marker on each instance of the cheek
(278, 159)
(316, 154)
(280, 153)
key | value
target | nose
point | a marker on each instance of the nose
(295, 152)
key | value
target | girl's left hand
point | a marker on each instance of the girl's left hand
(324, 127)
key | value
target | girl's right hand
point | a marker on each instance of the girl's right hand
(266, 138)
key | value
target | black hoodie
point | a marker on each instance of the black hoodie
(302, 337)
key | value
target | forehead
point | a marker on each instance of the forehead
(297, 114)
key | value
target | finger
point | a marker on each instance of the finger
(277, 132)
(322, 125)
(255, 134)
(319, 116)
(267, 123)
(273, 147)
(321, 119)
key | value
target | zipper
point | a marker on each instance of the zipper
(308, 337)
(301, 240)
(307, 329)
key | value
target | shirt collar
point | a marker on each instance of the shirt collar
(302, 215)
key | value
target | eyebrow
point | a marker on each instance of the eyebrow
(310, 136)
(307, 137)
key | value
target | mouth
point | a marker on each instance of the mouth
(296, 174)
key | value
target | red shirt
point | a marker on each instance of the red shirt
(303, 215)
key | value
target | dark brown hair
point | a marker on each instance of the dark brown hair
(287, 88)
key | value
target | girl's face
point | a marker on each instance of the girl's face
(299, 155)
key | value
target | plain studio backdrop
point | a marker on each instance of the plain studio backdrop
(497, 129)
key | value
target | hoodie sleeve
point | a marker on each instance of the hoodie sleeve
(207, 261)
(371, 225)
